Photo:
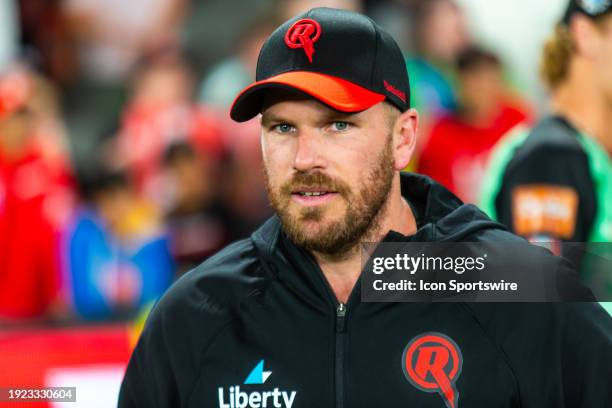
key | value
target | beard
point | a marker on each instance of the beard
(364, 207)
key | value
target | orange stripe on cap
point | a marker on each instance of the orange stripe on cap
(338, 93)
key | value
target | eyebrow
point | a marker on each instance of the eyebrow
(341, 116)
(269, 118)
(330, 116)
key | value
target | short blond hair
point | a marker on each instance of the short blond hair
(559, 50)
(556, 55)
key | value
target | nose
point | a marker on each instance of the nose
(309, 147)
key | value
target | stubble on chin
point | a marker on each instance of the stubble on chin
(362, 214)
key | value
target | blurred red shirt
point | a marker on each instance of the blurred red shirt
(35, 198)
(456, 152)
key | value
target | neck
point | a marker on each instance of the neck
(581, 101)
(342, 274)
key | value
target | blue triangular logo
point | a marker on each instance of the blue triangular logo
(258, 375)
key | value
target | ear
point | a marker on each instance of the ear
(404, 137)
(585, 35)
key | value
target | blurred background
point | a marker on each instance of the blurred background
(120, 169)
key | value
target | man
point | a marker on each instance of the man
(277, 320)
(553, 183)
(460, 142)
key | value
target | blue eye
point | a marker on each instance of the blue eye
(284, 128)
(340, 126)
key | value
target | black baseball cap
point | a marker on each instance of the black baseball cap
(590, 8)
(341, 58)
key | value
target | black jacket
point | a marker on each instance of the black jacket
(258, 322)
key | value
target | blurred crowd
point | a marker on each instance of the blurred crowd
(120, 168)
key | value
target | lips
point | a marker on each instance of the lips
(311, 193)
(312, 196)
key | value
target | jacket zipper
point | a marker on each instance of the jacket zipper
(340, 333)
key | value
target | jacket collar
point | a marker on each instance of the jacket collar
(440, 216)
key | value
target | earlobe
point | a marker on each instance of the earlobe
(406, 134)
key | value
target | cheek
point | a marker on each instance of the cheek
(604, 72)
(354, 164)
(276, 159)
(607, 64)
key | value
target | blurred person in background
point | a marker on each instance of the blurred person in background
(458, 147)
(160, 112)
(438, 33)
(109, 39)
(36, 196)
(554, 182)
(117, 256)
(197, 221)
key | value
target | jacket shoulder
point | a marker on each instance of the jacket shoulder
(563, 347)
(219, 283)
(187, 320)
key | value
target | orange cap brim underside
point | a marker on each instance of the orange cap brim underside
(338, 93)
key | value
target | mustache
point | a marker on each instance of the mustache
(316, 180)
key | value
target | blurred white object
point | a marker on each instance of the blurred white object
(114, 33)
(8, 32)
(516, 30)
(97, 386)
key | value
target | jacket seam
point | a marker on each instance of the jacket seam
(201, 357)
(205, 347)
(500, 350)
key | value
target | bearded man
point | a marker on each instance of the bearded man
(277, 320)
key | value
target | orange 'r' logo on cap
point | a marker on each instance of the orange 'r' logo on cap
(303, 34)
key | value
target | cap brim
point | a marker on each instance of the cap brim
(338, 93)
